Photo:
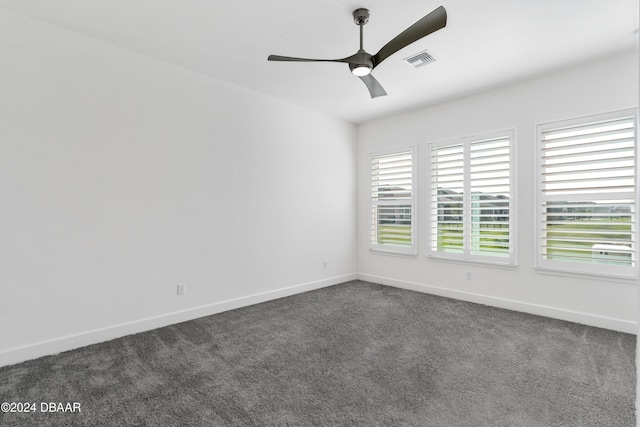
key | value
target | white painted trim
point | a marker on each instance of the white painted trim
(615, 324)
(82, 339)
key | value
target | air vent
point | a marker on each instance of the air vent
(420, 59)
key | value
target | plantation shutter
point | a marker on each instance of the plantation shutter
(447, 198)
(587, 194)
(490, 190)
(392, 202)
(470, 198)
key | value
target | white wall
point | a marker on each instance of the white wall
(607, 85)
(121, 176)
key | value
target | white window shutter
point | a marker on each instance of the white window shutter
(490, 192)
(471, 199)
(587, 195)
(447, 185)
(392, 202)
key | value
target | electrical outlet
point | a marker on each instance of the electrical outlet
(324, 264)
(181, 288)
(468, 275)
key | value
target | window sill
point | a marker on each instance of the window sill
(629, 280)
(409, 254)
(496, 264)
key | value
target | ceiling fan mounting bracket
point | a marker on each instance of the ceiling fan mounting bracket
(361, 16)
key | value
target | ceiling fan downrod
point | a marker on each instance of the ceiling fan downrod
(361, 17)
(362, 63)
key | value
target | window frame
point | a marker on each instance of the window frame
(582, 269)
(466, 256)
(409, 250)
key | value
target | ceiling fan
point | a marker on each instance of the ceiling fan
(362, 63)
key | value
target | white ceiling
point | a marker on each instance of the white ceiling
(485, 43)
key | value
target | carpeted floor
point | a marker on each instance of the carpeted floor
(354, 354)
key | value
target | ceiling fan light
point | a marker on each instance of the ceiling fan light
(361, 70)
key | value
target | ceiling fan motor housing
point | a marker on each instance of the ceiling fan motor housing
(361, 59)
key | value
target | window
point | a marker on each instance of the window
(587, 189)
(470, 199)
(392, 202)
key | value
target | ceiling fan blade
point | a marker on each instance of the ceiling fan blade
(375, 89)
(292, 59)
(427, 25)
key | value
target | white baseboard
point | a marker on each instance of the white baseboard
(70, 342)
(605, 322)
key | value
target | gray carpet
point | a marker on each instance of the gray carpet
(355, 354)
